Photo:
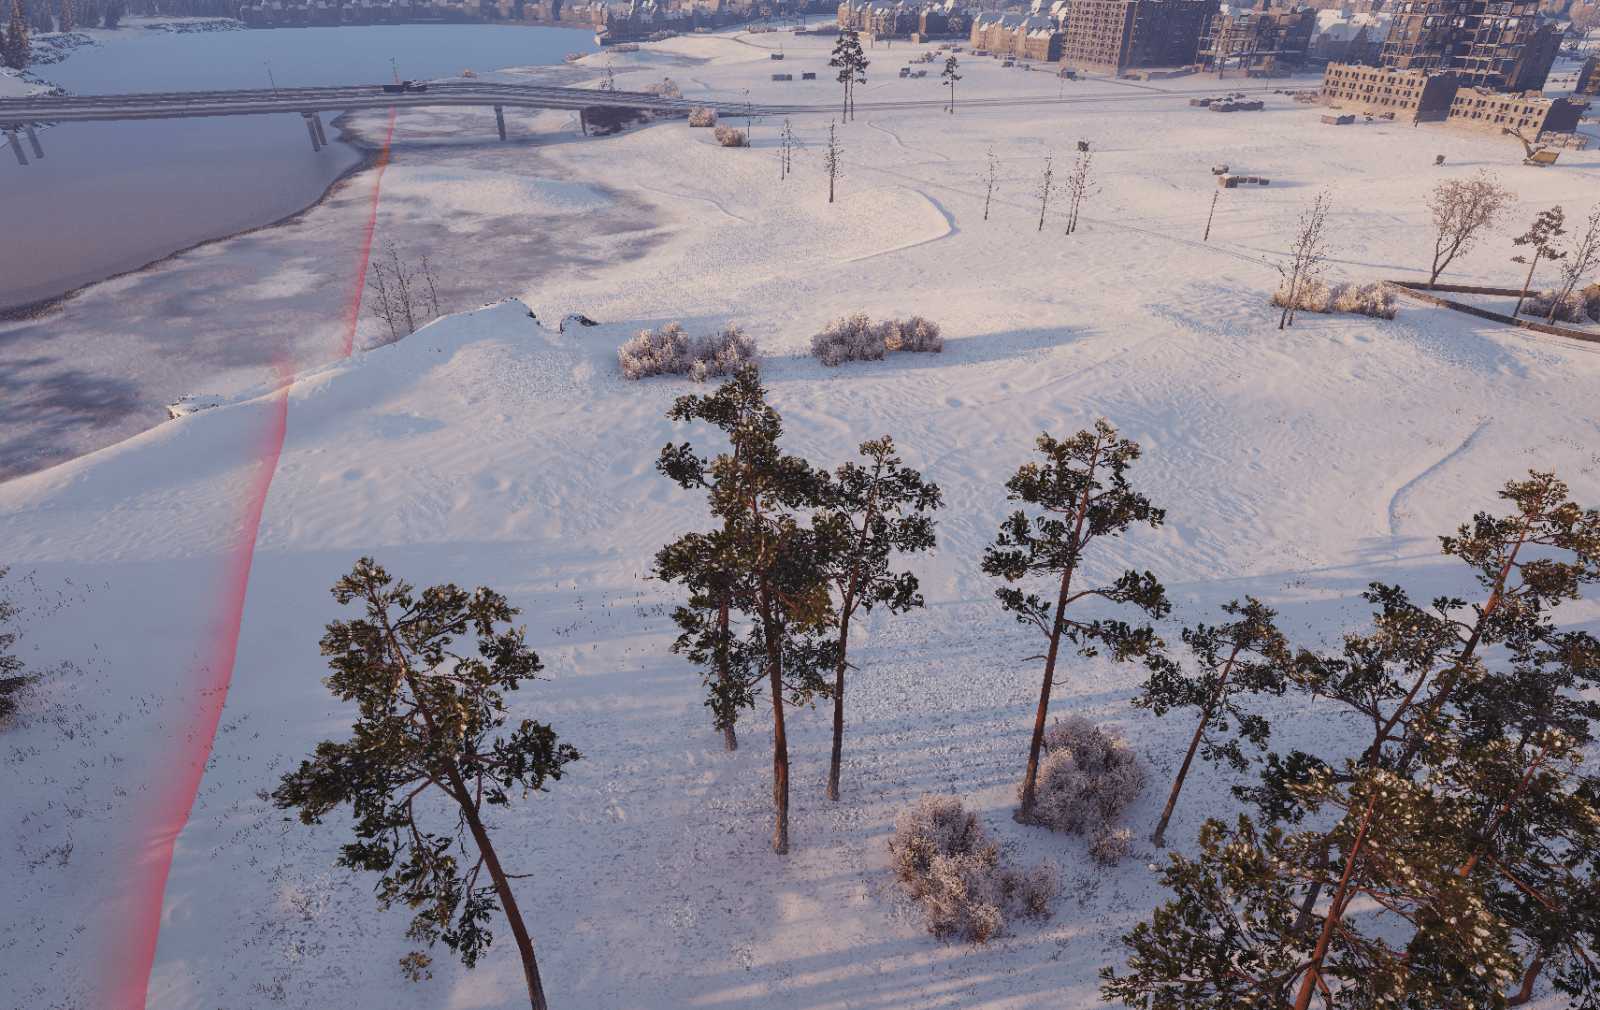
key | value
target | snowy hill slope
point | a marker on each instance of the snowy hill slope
(1295, 465)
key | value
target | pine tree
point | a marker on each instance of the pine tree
(12, 680)
(779, 583)
(1082, 493)
(1248, 655)
(69, 21)
(429, 720)
(1472, 710)
(1580, 262)
(869, 513)
(950, 78)
(786, 148)
(16, 52)
(1541, 236)
(852, 64)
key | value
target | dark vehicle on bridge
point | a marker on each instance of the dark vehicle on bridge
(404, 87)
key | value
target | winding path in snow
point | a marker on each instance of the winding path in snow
(1405, 489)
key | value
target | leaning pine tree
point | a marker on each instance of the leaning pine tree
(1464, 851)
(1248, 655)
(871, 511)
(428, 725)
(1082, 494)
(776, 565)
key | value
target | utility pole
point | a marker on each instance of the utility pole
(1211, 215)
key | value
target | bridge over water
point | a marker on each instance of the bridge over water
(20, 116)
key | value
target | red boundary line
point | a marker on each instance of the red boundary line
(134, 960)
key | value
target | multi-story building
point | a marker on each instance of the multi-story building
(1412, 95)
(1487, 43)
(1114, 35)
(1529, 113)
(1262, 41)
(1589, 77)
(1423, 97)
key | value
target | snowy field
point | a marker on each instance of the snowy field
(1295, 465)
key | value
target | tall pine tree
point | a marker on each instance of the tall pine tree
(869, 513)
(773, 562)
(428, 725)
(1247, 655)
(16, 52)
(1082, 495)
(851, 62)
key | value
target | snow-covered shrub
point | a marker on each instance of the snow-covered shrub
(666, 89)
(852, 338)
(948, 865)
(857, 338)
(1571, 309)
(727, 136)
(1591, 302)
(1110, 846)
(915, 334)
(1087, 778)
(1362, 299)
(670, 351)
(702, 116)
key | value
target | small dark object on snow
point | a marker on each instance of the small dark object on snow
(578, 318)
(1438, 159)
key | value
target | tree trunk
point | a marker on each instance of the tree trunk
(1524, 995)
(1031, 779)
(502, 887)
(1526, 284)
(838, 704)
(1308, 983)
(1158, 838)
(730, 737)
(780, 738)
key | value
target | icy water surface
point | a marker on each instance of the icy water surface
(111, 197)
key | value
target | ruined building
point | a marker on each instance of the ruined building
(1499, 45)
(1114, 35)
(1260, 42)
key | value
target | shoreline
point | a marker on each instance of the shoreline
(41, 307)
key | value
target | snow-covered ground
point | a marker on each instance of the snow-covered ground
(1295, 465)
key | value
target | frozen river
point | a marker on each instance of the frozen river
(111, 197)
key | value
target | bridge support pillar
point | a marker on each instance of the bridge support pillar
(33, 141)
(16, 146)
(316, 120)
(316, 145)
(500, 121)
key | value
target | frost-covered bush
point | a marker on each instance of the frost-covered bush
(915, 334)
(702, 116)
(727, 136)
(857, 338)
(666, 89)
(948, 865)
(1571, 309)
(1087, 779)
(852, 338)
(1110, 846)
(1361, 299)
(670, 351)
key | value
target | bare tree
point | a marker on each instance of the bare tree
(1461, 209)
(1541, 235)
(990, 180)
(1581, 259)
(1306, 256)
(1079, 184)
(787, 144)
(407, 292)
(830, 159)
(1047, 186)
